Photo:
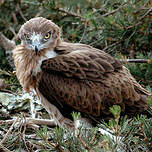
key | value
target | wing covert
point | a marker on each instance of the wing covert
(82, 64)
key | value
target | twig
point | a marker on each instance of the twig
(33, 136)
(106, 145)
(33, 126)
(69, 13)
(4, 149)
(139, 22)
(47, 122)
(13, 31)
(15, 21)
(22, 133)
(6, 43)
(148, 61)
(114, 11)
(132, 26)
(40, 12)
(7, 91)
(83, 143)
(110, 46)
(6, 25)
(9, 131)
(149, 10)
(20, 12)
(146, 3)
(84, 31)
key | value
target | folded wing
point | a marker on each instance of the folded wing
(90, 81)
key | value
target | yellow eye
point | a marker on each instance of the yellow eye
(47, 36)
(27, 37)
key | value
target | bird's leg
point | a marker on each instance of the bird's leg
(80, 124)
(55, 114)
(32, 108)
(32, 104)
(65, 123)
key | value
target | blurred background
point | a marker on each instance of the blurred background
(122, 28)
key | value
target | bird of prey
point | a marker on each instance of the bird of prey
(75, 77)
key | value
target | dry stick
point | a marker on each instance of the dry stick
(84, 32)
(15, 21)
(140, 20)
(23, 125)
(6, 43)
(148, 61)
(146, 3)
(114, 11)
(40, 12)
(149, 10)
(47, 122)
(83, 143)
(9, 131)
(112, 45)
(7, 91)
(13, 31)
(6, 25)
(20, 12)
(4, 149)
(68, 13)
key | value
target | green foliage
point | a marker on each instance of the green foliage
(100, 23)
(117, 27)
(42, 133)
(119, 134)
(76, 115)
(115, 110)
(142, 72)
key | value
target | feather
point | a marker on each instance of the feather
(78, 78)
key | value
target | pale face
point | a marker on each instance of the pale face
(37, 41)
(38, 34)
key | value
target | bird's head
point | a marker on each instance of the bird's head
(39, 33)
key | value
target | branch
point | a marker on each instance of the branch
(69, 13)
(6, 43)
(20, 12)
(29, 121)
(149, 10)
(84, 31)
(13, 31)
(148, 61)
(9, 131)
(9, 27)
(114, 11)
(40, 12)
(139, 22)
(4, 149)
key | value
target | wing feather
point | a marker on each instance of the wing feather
(90, 81)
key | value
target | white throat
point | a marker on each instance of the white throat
(48, 54)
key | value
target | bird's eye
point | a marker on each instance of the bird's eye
(27, 37)
(47, 36)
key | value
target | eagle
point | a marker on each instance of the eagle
(73, 77)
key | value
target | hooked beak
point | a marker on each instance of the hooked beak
(36, 49)
(36, 43)
(36, 46)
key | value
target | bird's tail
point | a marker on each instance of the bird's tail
(141, 105)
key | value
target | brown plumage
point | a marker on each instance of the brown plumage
(74, 77)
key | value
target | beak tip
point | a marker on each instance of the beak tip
(36, 50)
